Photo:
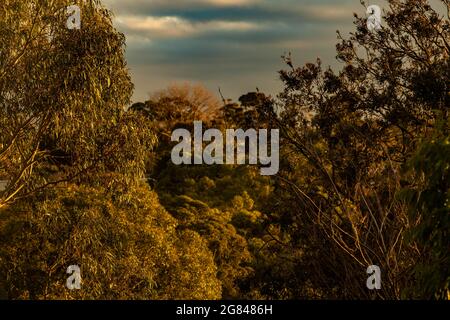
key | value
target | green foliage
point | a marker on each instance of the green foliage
(218, 202)
(75, 157)
(345, 137)
(62, 98)
(213, 202)
(64, 124)
(127, 249)
(429, 200)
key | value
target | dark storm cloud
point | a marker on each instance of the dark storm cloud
(233, 43)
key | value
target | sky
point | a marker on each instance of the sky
(232, 44)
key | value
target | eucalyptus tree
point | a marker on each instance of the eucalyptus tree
(346, 136)
(75, 158)
(62, 97)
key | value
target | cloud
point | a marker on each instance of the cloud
(176, 27)
(236, 44)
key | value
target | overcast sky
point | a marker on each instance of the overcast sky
(234, 44)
